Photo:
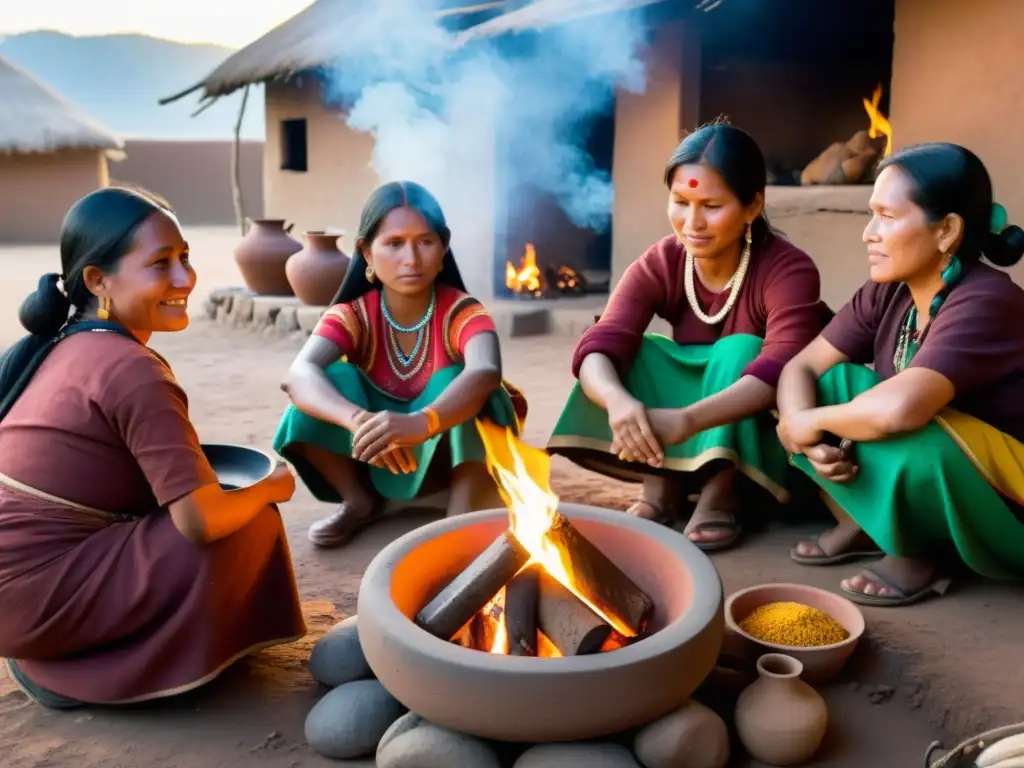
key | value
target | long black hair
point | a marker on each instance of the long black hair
(98, 231)
(383, 200)
(733, 154)
(947, 178)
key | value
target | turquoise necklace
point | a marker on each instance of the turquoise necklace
(419, 328)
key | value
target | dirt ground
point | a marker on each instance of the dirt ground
(944, 660)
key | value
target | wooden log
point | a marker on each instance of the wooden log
(472, 589)
(600, 582)
(521, 598)
(568, 623)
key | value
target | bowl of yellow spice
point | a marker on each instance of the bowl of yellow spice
(818, 628)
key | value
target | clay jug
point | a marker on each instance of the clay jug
(316, 272)
(262, 254)
(780, 719)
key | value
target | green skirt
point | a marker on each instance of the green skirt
(918, 495)
(667, 375)
(462, 440)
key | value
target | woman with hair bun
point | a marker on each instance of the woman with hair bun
(923, 456)
(126, 572)
(691, 414)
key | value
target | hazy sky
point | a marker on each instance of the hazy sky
(227, 22)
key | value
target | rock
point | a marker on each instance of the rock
(413, 742)
(337, 657)
(405, 723)
(691, 737)
(350, 720)
(589, 755)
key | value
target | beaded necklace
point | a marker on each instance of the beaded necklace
(736, 284)
(414, 361)
(909, 341)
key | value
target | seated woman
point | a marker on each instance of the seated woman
(126, 572)
(386, 389)
(692, 411)
(937, 463)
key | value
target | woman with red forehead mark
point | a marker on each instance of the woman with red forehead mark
(690, 414)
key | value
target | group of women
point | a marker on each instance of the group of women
(127, 573)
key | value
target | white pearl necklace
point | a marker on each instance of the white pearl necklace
(734, 293)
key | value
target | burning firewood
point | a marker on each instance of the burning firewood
(467, 593)
(571, 626)
(521, 597)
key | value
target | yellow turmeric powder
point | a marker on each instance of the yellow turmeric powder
(793, 624)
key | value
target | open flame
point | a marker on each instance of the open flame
(880, 125)
(527, 277)
(523, 474)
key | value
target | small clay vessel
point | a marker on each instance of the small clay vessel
(316, 272)
(780, 719)
(262, 254)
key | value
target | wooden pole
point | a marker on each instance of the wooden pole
(236, 167)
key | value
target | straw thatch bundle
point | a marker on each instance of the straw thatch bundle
(35, 118)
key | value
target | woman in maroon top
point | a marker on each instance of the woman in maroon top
(922, 456)
(691, 412)
(126, 572)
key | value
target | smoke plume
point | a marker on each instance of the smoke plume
(438, 112)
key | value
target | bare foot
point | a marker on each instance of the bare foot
(905, 577)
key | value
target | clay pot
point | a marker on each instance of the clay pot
(780, 719)
(262, 254)
(316, 272)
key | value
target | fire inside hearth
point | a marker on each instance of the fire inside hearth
(528, 279)
(541, 589)
(854, 161)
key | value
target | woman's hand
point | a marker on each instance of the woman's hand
(382, 439)
(633, 438)
(280, 484)
(831, 463)
(671, 426)
(799, 431)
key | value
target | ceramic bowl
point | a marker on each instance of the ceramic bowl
(821, 663)
(238, 466)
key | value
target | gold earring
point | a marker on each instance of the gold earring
(370, 274)
(103, 313)
(750, 234)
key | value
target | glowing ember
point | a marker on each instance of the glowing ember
(527, 278)
(567, 280)
(880, 125)
(523, 474)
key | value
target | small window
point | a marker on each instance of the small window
(294, 156)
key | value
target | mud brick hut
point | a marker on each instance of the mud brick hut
(51, 153)
(796, 80)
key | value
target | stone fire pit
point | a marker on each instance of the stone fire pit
(522, 699)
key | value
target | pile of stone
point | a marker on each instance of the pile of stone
(359, 718)
(852, 162)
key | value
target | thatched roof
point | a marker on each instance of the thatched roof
(546, 13)
(320, 35)
(312, 38)
(35, 118)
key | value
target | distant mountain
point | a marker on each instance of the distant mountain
(118, 79)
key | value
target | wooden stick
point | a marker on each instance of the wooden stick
(521, 598)
(599, 581)
(568, 623)
(236, 166)
(470, 591)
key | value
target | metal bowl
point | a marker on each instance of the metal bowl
(238, 466)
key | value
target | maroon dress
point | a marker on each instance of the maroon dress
(102, 599)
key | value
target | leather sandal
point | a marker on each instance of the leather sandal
(662, 515)
(341, 527)
(732, 529)
(847, 554)
(936, 586)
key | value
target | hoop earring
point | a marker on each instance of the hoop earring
(103, 313)
(370, 274)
